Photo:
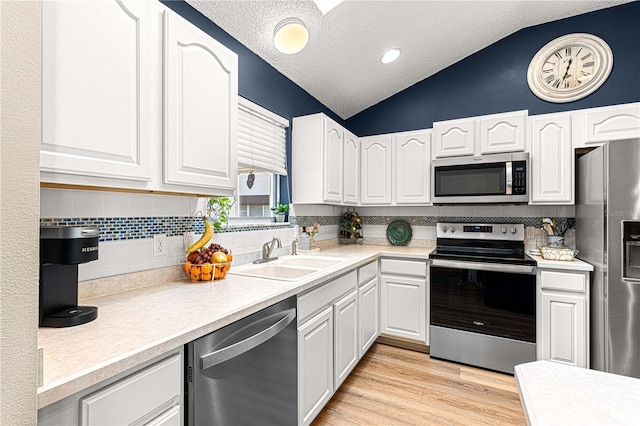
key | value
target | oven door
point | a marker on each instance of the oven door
(488, 298)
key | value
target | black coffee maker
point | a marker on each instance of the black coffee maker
(62, 248)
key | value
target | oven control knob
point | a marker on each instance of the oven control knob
(503, 230)
(444, 229)
(453, 229)
(513, 230)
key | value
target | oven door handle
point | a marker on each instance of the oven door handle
(481, 266)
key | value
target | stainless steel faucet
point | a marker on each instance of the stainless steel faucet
(267, 249)
(294, 247)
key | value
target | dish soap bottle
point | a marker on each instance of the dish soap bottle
(304, 239)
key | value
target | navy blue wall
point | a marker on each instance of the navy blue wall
(494, 79)
(259, 82)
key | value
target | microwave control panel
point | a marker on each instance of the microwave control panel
(519, 185)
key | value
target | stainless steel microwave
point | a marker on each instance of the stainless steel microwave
(493, 178)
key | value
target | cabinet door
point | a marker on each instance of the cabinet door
(315, 365)
(551, 160)
(503, 132)
(346, 352)
(368, 313)
(351, 168)
(412, 171)
(200, 107)
(376, 170)
(333, 161)
(612, 123)
(403, 307)
(454, 137)
(134, 397)
(563, 330)
(170, 417)
(96, 77)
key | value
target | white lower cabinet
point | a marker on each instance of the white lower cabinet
(563, 318)
(346, 336)
(315, 365)
(403, 299)
(368, 315)
(150, 395)
(337, 323)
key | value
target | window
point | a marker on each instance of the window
(261, 159)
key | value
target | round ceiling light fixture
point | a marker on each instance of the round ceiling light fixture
(290, 36)
(390, 55)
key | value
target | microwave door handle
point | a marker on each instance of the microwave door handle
(509, 176)
(481, 266)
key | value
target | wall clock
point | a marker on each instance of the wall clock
(570, 67)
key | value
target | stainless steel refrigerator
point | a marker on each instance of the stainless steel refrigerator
(608, 237)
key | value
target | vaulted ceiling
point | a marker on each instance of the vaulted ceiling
(341, 65)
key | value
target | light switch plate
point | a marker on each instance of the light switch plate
(159, 245)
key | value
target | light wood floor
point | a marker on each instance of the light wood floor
(392, 386)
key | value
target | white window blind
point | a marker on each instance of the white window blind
(261, 139)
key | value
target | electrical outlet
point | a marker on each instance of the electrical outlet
(160, 245)
(531, 232)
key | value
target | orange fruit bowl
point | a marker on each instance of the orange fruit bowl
(205, 272)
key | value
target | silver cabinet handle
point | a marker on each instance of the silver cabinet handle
(226, 353)
(480, 266)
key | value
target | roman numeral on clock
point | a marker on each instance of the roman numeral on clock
(550, 78)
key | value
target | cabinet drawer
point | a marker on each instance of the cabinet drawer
(134, 397)
(555, 280)
(366, 272)
(326, 294)
(404, 267)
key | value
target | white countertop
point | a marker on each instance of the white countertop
(135, 326)
(558, 394)
(573, 265)
(139, 325)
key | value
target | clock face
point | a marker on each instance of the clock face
(570, 67)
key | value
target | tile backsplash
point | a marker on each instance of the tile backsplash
(128, 222)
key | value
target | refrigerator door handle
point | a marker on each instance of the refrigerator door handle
(221, 355)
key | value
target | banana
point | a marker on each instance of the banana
(208, 233)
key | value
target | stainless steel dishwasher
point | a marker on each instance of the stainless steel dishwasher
(247, 372)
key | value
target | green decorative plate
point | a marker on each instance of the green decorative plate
(399, 233)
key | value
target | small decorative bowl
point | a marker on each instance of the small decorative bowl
(558, 253)
(206, 271)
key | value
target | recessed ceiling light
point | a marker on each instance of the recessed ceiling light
(390, 55)
(290, 36)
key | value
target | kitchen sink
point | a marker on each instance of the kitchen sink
(288, 268)
(318, 262)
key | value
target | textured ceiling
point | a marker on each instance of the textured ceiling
(341, 64)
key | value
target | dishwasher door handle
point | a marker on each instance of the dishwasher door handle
(481, 266)
(221, 355)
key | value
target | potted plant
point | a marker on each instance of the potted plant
(280, 211)
(218, 209)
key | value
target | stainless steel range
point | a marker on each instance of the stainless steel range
(483, 296)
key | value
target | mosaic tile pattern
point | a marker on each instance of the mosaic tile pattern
(320, 220)
(535, 222)
(132, 228)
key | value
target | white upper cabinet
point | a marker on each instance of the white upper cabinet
(487, 134)
(136, 97)
(200, 107)
(454, 138)
(96, 80)
(376, 169)
(597, 125)
(503, 132)
(412, 165)
(351, 168)
(333, 161)
(551, 159)
(325, 162)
